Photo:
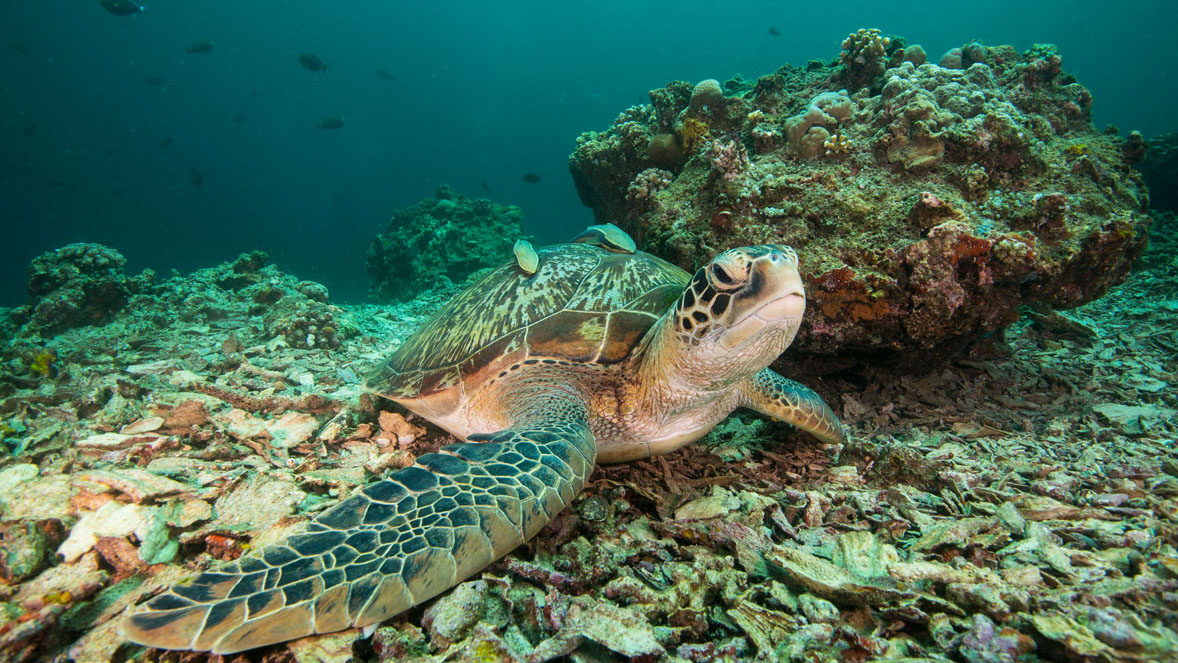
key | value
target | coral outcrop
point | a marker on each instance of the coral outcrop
(76, 285)
(928, 201)
(438, 242)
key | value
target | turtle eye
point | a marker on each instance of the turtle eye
(721, 276)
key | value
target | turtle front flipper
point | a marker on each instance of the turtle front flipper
(792, 402)
(390, 546)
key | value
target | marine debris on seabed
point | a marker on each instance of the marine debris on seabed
(1018, 502)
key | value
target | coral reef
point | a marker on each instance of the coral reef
(76, 285)
(843, 161)
(280, 310)
(438, 242)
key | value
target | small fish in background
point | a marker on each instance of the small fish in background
(333, 122)
(19, 48)
(196, 176)
(112, 151)
(384, 74)
(202, 46)
(166, 143)
(774, 31)
(240, 117)
(120, 7)
(155, 80)
(56, 182)
(311, 62)
(531, 178)
(254, 92)
(29, 130)
(486, 187)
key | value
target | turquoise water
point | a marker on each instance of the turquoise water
(112, 132)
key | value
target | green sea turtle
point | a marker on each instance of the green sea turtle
(603, 354)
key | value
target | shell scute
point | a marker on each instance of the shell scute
(573, 335)
(583, 304)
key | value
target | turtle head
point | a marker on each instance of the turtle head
(745, 306)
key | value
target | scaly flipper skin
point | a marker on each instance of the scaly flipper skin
(792, 402)
(390, 546)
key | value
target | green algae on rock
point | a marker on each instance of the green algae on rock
(440, 241)
(931, 201)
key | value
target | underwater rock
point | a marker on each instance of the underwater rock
(25, 546)
(438, 242)
(308, 324)
(927, 203)
(77, 285)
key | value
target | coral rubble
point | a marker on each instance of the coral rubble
(840, 161)
(438, 242)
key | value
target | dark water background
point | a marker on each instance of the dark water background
(484, 92)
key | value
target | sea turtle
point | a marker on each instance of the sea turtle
(603, 354)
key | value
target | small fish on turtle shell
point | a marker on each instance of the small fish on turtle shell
(311, 62)
(202, 46)
(120, 7)
(525, 256)
(333, 122)
(531, 178)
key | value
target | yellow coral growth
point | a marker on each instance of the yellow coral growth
(43, 363)
(694, 131)
(837, 144)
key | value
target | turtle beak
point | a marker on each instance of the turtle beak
(780, 284)
(773, 298)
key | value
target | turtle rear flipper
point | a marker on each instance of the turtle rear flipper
(390, 546)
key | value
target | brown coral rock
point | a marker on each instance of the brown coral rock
(956, 195)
